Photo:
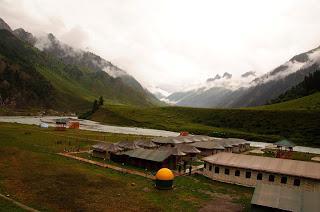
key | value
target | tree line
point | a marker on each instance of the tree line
(308, 86)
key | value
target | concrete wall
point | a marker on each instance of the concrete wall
(305, 183)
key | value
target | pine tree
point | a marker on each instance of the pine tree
(95, 106)
(101, 100)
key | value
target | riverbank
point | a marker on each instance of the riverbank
(98, 127)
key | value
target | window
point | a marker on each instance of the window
(210, 167)
(259, 176)
(226, 171)
(248, 174)
(205, 165)
(284, 180)
(237, 173)
(296, 182)
(216, 170)
(271, 178)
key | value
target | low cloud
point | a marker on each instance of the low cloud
(176, 43)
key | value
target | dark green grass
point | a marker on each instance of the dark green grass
(300, 126)
(34, 175)
(311, 102)
(7, 206)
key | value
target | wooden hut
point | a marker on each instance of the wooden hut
(61, 124)
(114, 152)
(151, 159)
(99, 150)
(189, 150)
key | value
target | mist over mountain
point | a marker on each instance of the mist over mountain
(75, 77)
(249, 90)
(4, 25)
(248, 74)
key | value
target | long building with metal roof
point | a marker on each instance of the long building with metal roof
(249, 170)
(268, 197)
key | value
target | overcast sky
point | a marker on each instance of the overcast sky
(173, 43)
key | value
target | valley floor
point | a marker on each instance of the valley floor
(264, 125)
(33, 174)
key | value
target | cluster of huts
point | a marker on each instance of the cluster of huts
(166, 151)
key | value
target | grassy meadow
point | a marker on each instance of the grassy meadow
(267, 125)
(34, 175)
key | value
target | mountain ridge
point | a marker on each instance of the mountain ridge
(73, 79)
(249, 92)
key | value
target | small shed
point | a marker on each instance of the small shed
(184, 133)
(285, 145)
(74, 125)
(43, 125)
(61, 124)
(268, 197)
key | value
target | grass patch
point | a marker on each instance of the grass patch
(300, 126)
(6, 206)
(33, 174)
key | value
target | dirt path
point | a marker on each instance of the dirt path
(221, 204)
(27, 208)
(104, 165)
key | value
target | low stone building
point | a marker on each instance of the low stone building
(250, 170)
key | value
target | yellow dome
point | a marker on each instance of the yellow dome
(164, 174)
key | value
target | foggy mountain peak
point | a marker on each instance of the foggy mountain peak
(71, 55)
(24, 35)
(226, 75)
(248, 74)
(217, 77)
(4, 25)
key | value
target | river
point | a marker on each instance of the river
(95, 126)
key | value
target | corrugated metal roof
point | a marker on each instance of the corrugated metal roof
(285, 198)
(61, 121)
(285, 143)
(114, 148)
(174, 150)
(148, 154)
(207, 145)
(100, 147)
(186, 148)
(128, 145)
(274, 165)
(148, 144)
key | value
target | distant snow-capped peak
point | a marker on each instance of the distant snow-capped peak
(295, 64)
(228, 81)
(158, 92)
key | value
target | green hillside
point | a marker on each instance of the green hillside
(310, 85)
(251, 124)
(311, 102)
(73, 86)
